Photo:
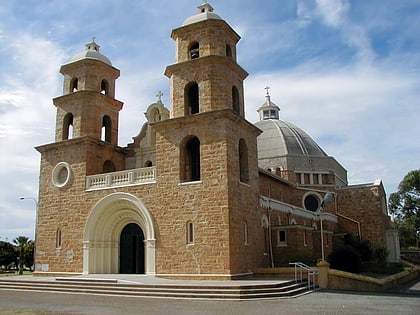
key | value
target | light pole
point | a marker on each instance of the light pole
(36, 222)
(327, 198)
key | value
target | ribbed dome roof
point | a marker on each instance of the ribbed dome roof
(281, 138)
(91, 52)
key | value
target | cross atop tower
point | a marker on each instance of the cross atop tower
(205, 7)
(159, 96)
(267, 88)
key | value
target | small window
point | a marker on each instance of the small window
(194, 50)
(190, 233)
(243, 162)
(148, 164)
(192, 104)
(58, 238)
(266, 114)
(68, 126)
(74, 85)
(228, 51)
(281, 238)
(104, 87)
(108, 166)
(235, 100)
(106, 129)
(190, 160)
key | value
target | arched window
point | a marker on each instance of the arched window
(228, 51)
(148, 164)
(194, 50)
(190, 160)
(106, 129)
(243, 162)
(108, 166)
(68, 126)
(104, 87)
(192, 105)
(74, 85)
(235, 100)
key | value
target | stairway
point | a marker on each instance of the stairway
(228, 291)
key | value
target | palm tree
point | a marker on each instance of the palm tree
(21, 242)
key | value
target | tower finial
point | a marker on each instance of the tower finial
(267, 88)
(159, 96)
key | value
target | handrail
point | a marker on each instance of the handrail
(312, 272)
(145, 175)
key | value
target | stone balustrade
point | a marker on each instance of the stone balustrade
(130, 177)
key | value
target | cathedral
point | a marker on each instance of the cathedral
(200, 193)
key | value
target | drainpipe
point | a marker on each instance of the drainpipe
(346, 217)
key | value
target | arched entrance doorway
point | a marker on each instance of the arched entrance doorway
(119, 225)
(132, 249)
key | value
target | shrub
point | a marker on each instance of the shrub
(363, 247)
(345, 258)
(380, 253)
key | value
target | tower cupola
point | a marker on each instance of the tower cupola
(268, 110)
(205, 76)
(88, 106)
(205, 12)
(91, 52)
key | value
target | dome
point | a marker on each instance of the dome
(281, 138)
(91, 52)
(205, 12)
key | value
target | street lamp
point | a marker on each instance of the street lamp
(327, 198)
(36, 222)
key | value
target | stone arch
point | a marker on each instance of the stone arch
(101, 239)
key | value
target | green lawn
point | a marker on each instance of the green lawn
(14, 274)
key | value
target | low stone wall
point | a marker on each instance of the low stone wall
(276, 273)
(340, 280)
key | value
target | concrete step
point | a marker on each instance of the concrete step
(185, 291)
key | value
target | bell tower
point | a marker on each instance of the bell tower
(87, 106)
(205, 76)
(206, 154)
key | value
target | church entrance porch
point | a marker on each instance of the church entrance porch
(132, 249)
(119, 237)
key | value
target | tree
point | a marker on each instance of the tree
(21, 242)
(405, 206)
(8, 254)
(28, 255)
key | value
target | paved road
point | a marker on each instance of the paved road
(320, 302)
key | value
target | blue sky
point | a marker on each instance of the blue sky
(345, 71)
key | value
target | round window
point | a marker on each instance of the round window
(311, 203)
(61, 174)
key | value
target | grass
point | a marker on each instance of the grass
(14, 273)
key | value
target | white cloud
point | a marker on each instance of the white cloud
(333, 12)
(26, 119)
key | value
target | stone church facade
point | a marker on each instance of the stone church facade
(201, 192)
